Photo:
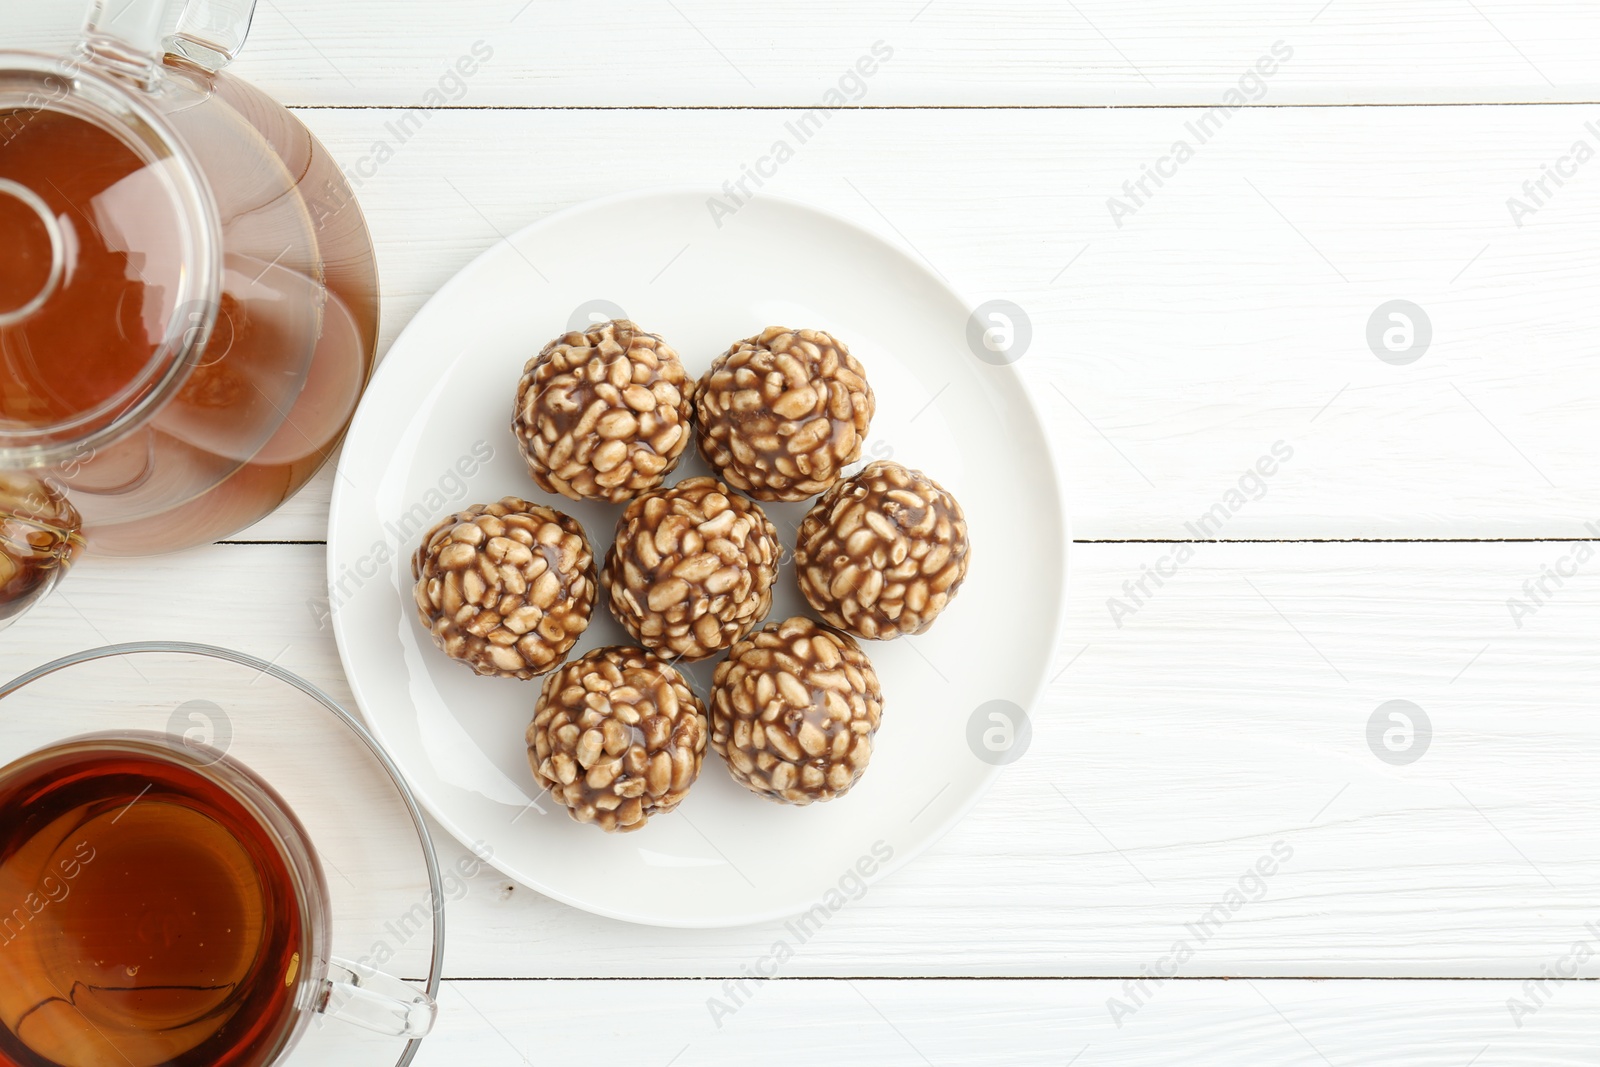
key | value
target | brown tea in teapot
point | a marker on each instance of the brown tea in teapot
(90, 341)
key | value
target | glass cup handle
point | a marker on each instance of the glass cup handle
(374, 1001)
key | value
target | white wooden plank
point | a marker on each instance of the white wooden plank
(713, 52)
(1169, 355)
(1228, 714)
(1209, 1024)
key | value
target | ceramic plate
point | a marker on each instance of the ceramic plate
(433, 436)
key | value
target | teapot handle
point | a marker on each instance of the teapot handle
(210, 33)
(133, 36)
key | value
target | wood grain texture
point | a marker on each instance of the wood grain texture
(1169, 354)
(967, 52)
(1226, 716)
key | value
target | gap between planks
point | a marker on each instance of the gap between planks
(1028, 978)
(936, 107)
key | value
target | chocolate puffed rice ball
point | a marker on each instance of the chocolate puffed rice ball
(603, 414)
(617, 736)
(882, 553)
(505, 588)
(783, 413)
(794, 709)
(692, 569)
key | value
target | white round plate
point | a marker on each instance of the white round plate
(433, 436)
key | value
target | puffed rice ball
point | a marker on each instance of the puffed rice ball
(783, 413)
(692, 569)
(617, 736)
(604, 414)
(883, 552)
(794, 709)
(505, 588)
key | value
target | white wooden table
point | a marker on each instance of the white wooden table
(1433, 912)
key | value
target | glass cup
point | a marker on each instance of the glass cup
(204, 729)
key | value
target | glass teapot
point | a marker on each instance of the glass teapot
(188, 296)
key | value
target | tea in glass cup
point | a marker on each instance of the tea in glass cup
(159, 904)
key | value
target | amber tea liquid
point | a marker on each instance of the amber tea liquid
(146, 918)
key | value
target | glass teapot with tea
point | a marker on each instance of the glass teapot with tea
(188, 297)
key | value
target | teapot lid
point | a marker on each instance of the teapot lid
(109, 281)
